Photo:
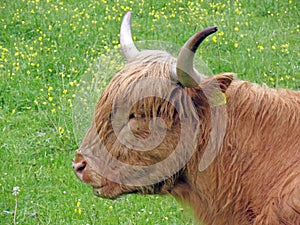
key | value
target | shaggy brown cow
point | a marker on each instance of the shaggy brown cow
(228, 148)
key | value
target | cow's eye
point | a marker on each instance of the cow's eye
(136, 115)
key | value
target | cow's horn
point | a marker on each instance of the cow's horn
(127, 45)
(186, 74)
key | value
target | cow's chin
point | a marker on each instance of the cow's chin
(112, 190)
(107, 192)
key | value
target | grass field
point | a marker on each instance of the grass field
(46, 46)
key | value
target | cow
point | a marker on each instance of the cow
(228, 148)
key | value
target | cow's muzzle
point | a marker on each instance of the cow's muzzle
(79, 164)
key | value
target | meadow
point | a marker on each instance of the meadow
(46, 47)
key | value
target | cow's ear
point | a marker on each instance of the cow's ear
(213, 89)
(224, 80)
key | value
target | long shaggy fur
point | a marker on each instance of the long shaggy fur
(255, 177)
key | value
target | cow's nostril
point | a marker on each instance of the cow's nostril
(79, 166)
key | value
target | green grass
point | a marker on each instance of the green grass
(47, 46)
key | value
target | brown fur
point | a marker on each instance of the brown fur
(255, 178)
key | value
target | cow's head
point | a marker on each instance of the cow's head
(151, 118)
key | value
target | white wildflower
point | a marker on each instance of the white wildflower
(16, 190)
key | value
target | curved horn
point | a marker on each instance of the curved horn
(127, 45)
(186, 74)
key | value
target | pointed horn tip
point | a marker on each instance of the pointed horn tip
(126, 41)
(215, 28)
(196, 40)
(209, 30)
(128, 13)
(127, 16)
